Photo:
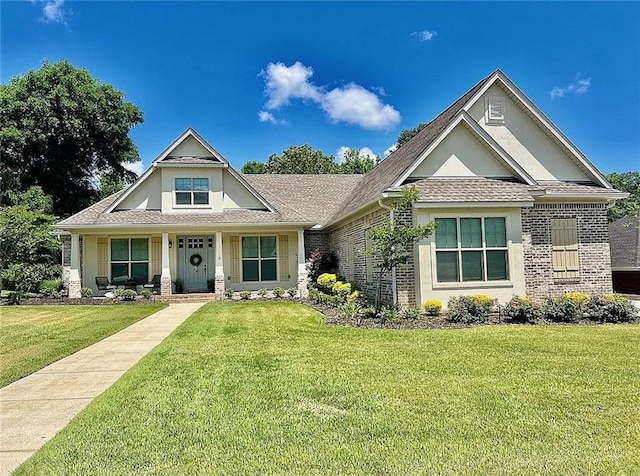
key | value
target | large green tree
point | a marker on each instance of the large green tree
(59, 128)
(254, 167)
(356, 163)
(301, 159)
(625, 182)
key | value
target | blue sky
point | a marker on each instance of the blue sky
(255, 78)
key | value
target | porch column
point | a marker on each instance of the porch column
(165, 277)
(75, 284)
(302, 267)
(219, 265)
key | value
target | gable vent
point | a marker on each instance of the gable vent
(495, 111)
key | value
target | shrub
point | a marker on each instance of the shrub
(245, 295)
(350, 309)
(326, 281)
(262, 292)
(23, 278)
(118, 293)
(561, 309)
(610, 308)
(52, 288)
(278, 292)
(228, 292)
(86, 292)
(320, 262)
(147, 293)
(128, 295)
(469, 309)
(314, 295)
(432, 307)
(388, 313)
(411, 313)
(293, 292)
(580, 300)
(521, 309)
(343, 289)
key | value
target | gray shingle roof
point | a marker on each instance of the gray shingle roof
(554, 186)
(316, 197)
(472, 189)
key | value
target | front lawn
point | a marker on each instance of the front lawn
(32, 337)
(266, 388)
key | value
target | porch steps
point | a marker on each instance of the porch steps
(194, 297)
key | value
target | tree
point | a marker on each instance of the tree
(59, 127)
(625, 182)
(301, 159)
(407, 134)
(355, 163)
(254, 167)
(392, 243)
(25, 230)
(110, 184)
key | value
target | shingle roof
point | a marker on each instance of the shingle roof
(472, 189)
(554, 186)
(316, 197)
(390, 169)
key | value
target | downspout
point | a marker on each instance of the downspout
(394, 279)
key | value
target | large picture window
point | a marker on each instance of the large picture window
(129, 259)
(192, 191)
(259, 258)
(471, 249)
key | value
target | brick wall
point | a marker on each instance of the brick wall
(593, 249)
(316, 240)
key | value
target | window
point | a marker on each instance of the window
(192, 191)
(564, 243)
(259, 257)
(471, 249)
(130, 259)
(495, 111)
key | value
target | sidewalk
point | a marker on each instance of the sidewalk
(35, 408)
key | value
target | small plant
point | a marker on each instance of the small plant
(262, 293)
(350, 309)
(52, 288)
(228, 292)
(343, 289)
(179, 284)
(432, 307)
(326, 281)
(86, 292)
(292, 292)
(580, 300)
(388, 314)
(147, 293)
(610, 308)
(561, 309)
(278, 292)
(411, 313)
(314, 295)
(521, 309)
(245, 295)
(118, 293)
(320, 262)
(469, 309)
(128, 295)
(211, 285)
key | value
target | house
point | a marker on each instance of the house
(624, 235)
(520, 210)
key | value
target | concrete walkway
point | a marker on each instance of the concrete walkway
(35, 408)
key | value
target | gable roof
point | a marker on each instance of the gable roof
(164, 155)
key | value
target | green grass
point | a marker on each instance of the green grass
(265, 388)
(32, 337)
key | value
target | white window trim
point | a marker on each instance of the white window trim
(129, 262)
(277, 258)
(472, 284)
(492, 120)
(191, 205)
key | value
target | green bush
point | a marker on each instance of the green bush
(314, 295)
(147, 293)
(411, 313)
(228, 292)
(23, 278)
(432, 307)
(262, 292)
(278, 292)
(579, 300)
(610, 308)
(389, 314)
(562, 309)
(341, 288)
(86, 292)
(350, 309)
(245, 295)
(521, 309)
(326, 281)
(292, 292)
(128, 295)
(52, 288)
(469, 309)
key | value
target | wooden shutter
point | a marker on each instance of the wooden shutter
(103, 256)
(156, 255)
(350, 257)
(564, 243)
(234, 242)
(368, 258)
(283, 257)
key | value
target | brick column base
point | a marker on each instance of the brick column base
(75, 287)
(165, 286)
(302, 285)
(220, 285)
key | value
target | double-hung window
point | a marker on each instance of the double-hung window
(259, 258)
(192, 191)
(130, 260)
(471, 249)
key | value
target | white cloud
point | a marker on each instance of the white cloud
(425, 35)
(578, 86)
(352, 103)
(364, 152)
(53, 11)
(392, 148)
(135, 167)
(266, 116)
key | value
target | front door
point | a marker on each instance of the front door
(195, 264)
